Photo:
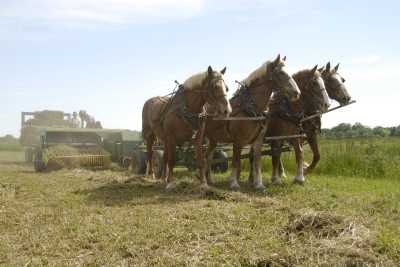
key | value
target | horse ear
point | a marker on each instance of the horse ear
(209, 70)
(321, 69)
(314, 69)
(223, 71)
(337, 67)
(284, 58)
(278, 59)
(328, 67)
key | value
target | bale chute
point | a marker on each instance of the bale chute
(63, 156)
(71, 149)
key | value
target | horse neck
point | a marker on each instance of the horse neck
(261, 94)
(301, 103)
(194, 100)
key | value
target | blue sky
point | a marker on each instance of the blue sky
(109, 56)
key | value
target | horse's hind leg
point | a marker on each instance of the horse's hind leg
(149, 148)
(164, 170)
(313, 142)
(276, 160)
(170, 164)
(251, 162)
(233, 180)
(257, 165)
(299, 178)
(210, 156)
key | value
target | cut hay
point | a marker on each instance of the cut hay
(331, 240)
(64, 156)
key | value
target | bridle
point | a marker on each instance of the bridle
(209, 96)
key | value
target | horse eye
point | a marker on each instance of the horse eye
(343, 80)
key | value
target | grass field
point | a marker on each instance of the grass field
(347, 214)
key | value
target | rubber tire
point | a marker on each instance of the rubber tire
(158, 161)
(125, 162)
(38, 162)
(221, 166)
(138, 163)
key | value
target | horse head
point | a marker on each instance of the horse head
(216, 92)
(313, 91)
(335, 84)
(281, 80)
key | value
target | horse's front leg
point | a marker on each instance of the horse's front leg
(298, 149)
(210, 157)
(233, 180)
(313, 142)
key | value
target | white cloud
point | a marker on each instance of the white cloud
(103, 11)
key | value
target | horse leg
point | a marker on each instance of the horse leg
(199, 156)
(251, 162)
(164, 165)
(257, 165)
(233, 180)
(210, 156)
(149, 148)
(299, 178)
(276, 161)
(313, 142)
(171, 154)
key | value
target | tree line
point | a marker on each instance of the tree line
(347, 130)
(343, 130)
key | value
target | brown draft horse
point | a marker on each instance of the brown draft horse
(173, 120)
(336, 88)
(250, 100)
(286, 116)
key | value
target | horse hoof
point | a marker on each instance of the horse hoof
(299, 180)
(260, 188)
(234, 186)
(170, 187)
(276, 181)
(283, 175)
(204, 187)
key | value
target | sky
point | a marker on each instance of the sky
(109, 56)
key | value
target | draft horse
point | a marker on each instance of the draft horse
(337, 90)
(174, 120)
(250, 100)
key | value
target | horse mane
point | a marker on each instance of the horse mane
(256, 74)
(195, 80)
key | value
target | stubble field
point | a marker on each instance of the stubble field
(114, 218)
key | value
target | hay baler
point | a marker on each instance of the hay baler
(73, 148)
